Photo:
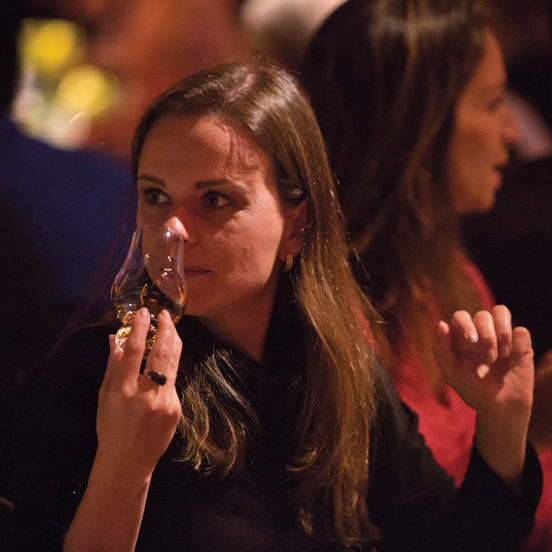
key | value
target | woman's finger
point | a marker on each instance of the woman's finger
(521, 343)
(115, 355)
(165, 352)
(442, 350)
(463, 333)
(135, 347)
(485, 326)
(503, 328)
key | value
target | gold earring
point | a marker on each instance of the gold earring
(288, 262)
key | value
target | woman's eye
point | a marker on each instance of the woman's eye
(155, 196)
(215, 200)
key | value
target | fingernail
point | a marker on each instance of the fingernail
(165, 313)
(472, 337)
(491, 356)
(482, 371)
(504, 351)
(143, 312)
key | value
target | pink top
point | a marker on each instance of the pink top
(447, 423)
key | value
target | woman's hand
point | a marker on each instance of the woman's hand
(136, 417)
(135, 423)
(490, 365)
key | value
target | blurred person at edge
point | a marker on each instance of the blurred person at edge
(148, 46)
(281, 29)
(409, 97)
(60, 215)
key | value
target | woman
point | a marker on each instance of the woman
(409, 97)
(275, 430)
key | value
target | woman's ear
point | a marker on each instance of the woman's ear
(294, 231)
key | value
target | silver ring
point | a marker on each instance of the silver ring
(156, 377)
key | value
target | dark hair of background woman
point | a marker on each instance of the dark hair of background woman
(385, 96)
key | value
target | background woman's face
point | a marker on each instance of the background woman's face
(483, 130)
(220, 186)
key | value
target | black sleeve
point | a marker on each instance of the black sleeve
(58, 440)
(416, 504)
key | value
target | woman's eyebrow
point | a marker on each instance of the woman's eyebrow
(200, 184)
(150, 178)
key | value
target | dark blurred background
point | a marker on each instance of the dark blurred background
(77, 75)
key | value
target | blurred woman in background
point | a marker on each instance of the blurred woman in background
(409, 96)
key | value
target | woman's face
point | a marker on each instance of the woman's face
(219, 187)
(483, 130)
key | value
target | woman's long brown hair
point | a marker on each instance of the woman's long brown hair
(384, 77)
(332, 425)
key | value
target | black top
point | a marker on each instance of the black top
(411, 499)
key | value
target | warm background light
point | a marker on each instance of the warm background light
(60, 93)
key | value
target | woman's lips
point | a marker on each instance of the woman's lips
(194, 272)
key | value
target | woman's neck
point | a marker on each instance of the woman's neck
(245, 330)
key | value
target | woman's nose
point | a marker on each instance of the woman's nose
(176, 224)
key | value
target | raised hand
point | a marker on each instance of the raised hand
(487, 362)
(490, 365)
(135, 423)
(137, 417)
